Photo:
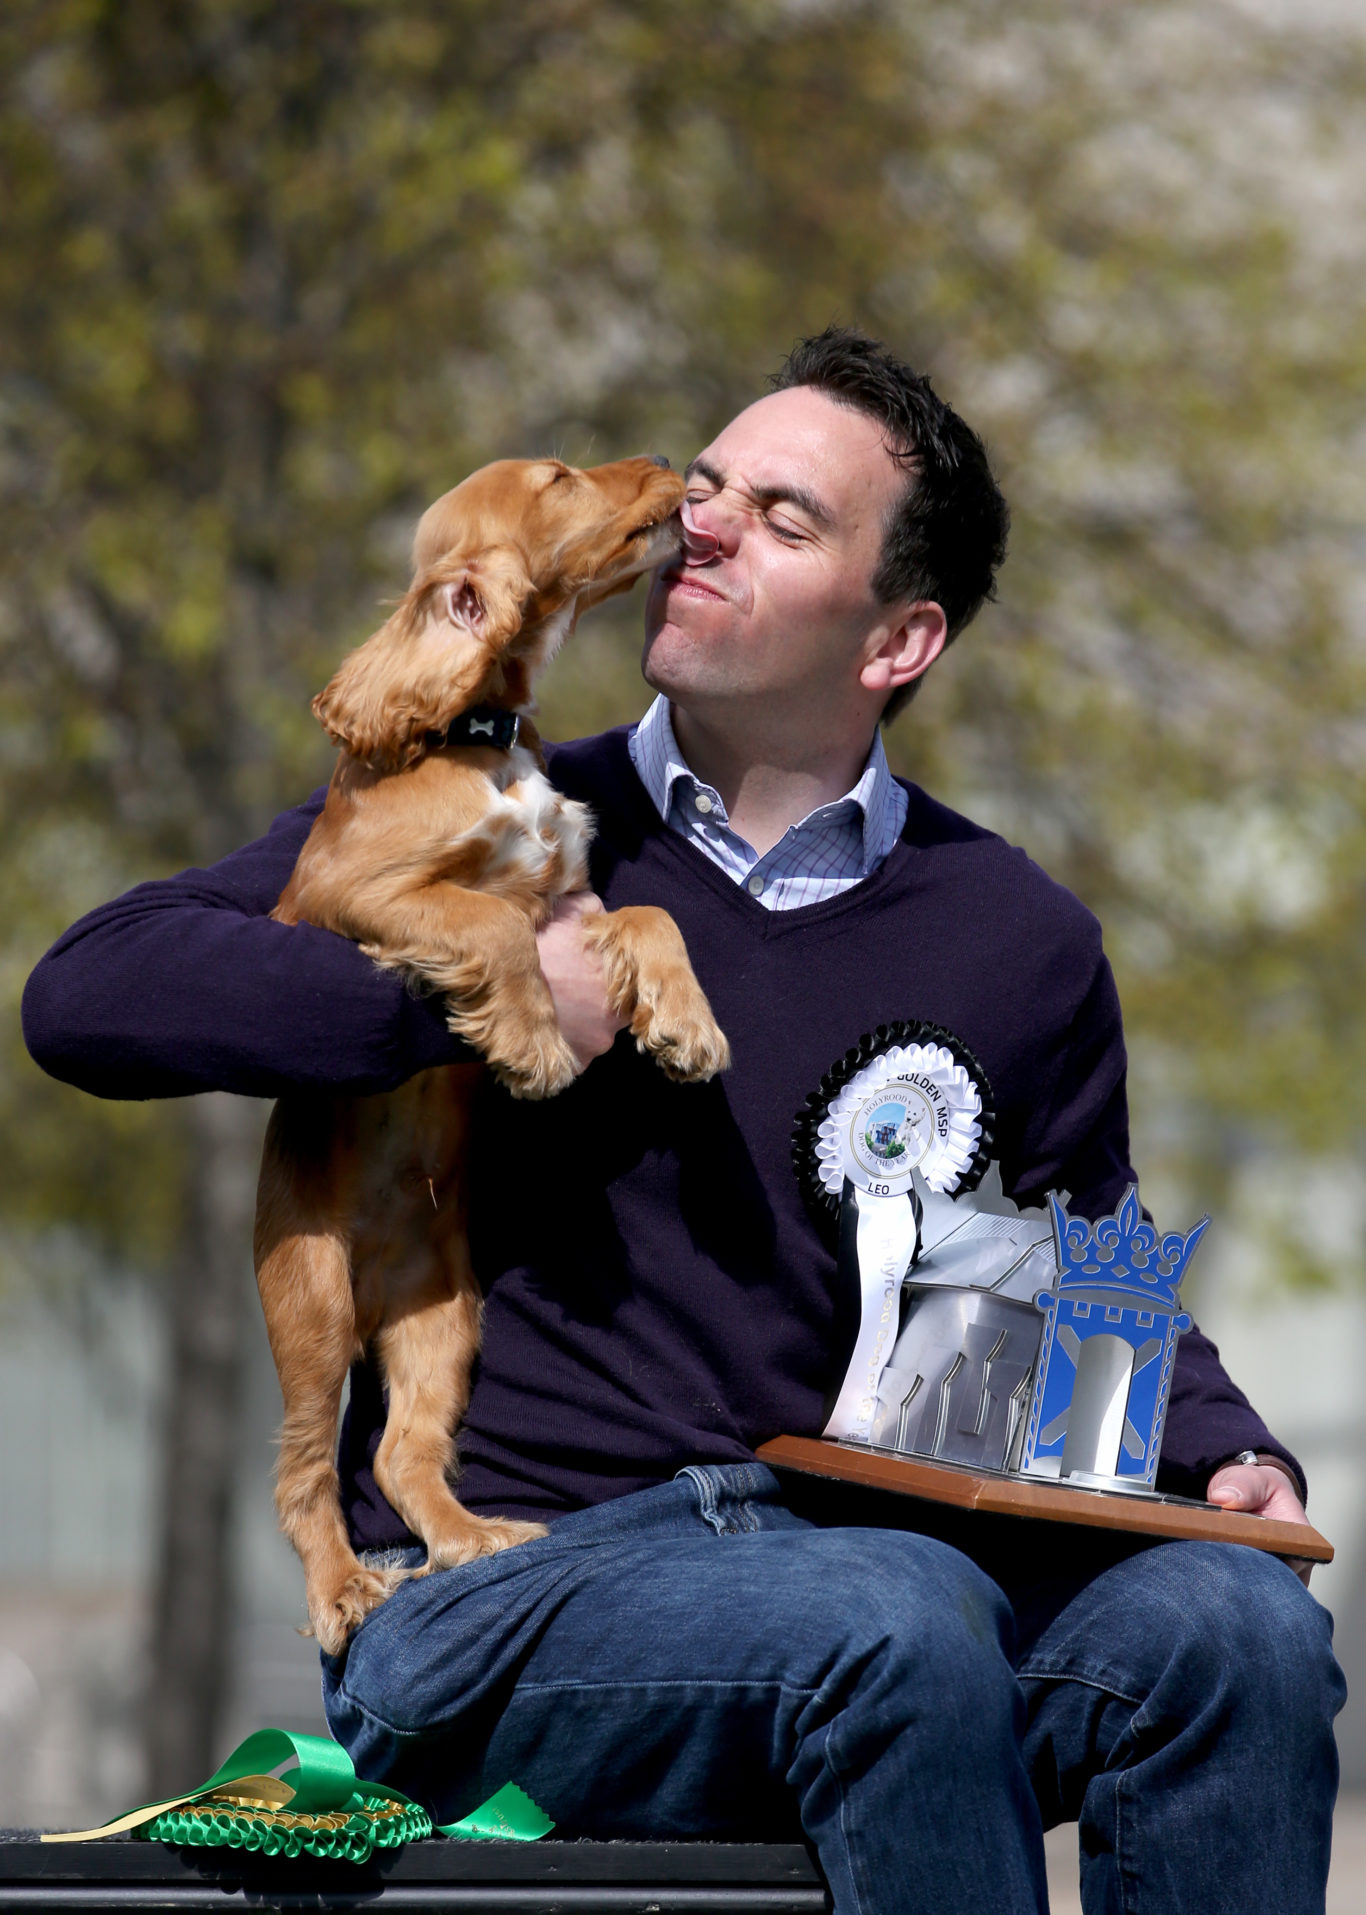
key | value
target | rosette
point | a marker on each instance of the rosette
(909, 1102)
(315, 1806)
(907, 1097)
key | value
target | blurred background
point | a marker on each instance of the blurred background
(274, 276)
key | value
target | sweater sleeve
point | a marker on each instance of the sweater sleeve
(1081, 1144)
(187, 984)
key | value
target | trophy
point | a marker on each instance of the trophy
(1105, 1369)
(1007, 1358)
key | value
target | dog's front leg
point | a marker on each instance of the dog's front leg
(479, 951)
(651, 984)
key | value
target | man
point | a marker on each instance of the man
(688, 1651)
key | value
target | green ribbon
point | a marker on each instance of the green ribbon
(509, 1816)
(319, 1771)
(245, 1806)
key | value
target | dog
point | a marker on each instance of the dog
(440, 849)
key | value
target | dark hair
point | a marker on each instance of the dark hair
(947, 536)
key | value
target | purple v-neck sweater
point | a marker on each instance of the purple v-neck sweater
(656, 1292)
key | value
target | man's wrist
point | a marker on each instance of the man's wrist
(1263, 1459)
(1269, 1461)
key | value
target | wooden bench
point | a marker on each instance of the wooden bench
(535, 1878)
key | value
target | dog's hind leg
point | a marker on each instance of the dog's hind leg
(426, 1354)
(305, 1284)
(651, 983)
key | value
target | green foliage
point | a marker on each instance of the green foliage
(1173, 375)
(273, 276)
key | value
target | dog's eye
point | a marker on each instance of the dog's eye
(563, 473)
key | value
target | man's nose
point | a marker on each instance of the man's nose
(722, 515)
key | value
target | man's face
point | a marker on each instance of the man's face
(797, 490)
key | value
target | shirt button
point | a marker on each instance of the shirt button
(703, 803)
(755, 887)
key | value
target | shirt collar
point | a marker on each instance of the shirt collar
(661, 766)
(880, 799)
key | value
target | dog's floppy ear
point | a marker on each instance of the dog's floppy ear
(429, 662)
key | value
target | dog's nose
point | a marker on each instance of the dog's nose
(657, 458)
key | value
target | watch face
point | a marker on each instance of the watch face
(908, 1097)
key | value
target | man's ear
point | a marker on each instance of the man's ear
(429, 662)
(905, 648)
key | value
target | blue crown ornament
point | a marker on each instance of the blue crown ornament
(1104, 1370)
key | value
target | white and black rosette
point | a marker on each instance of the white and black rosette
(906, 1097)
(908, 1100)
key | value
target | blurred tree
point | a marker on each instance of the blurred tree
(274, 276)
(1146, 284)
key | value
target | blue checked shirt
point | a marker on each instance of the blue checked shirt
(832, 848)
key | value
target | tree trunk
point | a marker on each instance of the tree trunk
(194, 1590)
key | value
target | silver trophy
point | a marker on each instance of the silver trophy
(958, 1383)
(1023, 1341)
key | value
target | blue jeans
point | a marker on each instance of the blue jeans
(697, 1660)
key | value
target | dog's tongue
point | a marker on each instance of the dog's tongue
(698, 546)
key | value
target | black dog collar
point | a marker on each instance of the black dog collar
(481, 725)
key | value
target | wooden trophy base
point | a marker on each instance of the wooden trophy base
(1169, 1517)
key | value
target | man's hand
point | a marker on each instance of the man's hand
(1263, 1488)
(576, 981)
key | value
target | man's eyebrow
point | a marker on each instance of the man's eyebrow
(705, 469)
(766, 495)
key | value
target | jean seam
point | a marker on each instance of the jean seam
(1122, 1870)
(527, 1684)
(846, 1833)
(750, 1481)
(1083, 1682)
(755, 1475)
(504, 1565)
(736, 1519)
(527, 1687)
(706, 1497)
(349, 1697)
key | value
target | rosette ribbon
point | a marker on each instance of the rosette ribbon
(909, 1102)
(316, 1807)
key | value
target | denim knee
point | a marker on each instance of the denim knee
(1248, 1622)
(922, 1627)
(1180, 1708)
(1207, 1632)
(908, 1753)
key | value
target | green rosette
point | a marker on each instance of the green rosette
(352, 1834)
(315, 1807)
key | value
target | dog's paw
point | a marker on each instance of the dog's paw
(543, 1068)
(689, 1046)
(477, 1536)
(334, 1613)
